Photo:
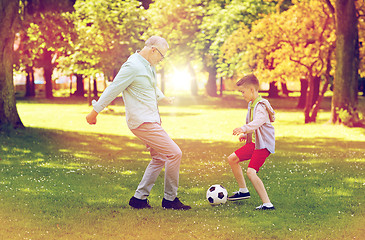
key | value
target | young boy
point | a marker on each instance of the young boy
(260, 141)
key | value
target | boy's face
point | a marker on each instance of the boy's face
(247, 92)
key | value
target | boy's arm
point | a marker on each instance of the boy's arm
(260, 118)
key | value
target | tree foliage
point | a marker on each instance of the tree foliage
(284, 42)
(12, 12)
(292, 45)
(299, 39)
(108, 32)
(287, 46)
(223, 18)
(178, 22)
(45, 37)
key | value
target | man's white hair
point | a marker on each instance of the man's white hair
(156, 41)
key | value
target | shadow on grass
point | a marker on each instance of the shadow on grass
(57, 176)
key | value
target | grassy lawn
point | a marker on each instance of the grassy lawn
(63, 179)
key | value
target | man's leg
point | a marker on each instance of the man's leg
(150, 175)
(153, 135)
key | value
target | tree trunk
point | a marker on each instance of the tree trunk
(9, 116)
(308, 103)
(312, 97)
(347, 59)
(273, 90)
(30, 85)
(221, 89)
(211, 86)
(316, 106)
(303, 93)
(89, 99)
(193, 82)
(80, 88)
(316, 88)
(284, 88)
(95, 88)
(48, 67)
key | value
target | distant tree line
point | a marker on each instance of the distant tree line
(317, 43)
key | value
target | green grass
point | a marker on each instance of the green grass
(63, 179)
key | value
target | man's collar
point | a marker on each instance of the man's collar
(143, 60)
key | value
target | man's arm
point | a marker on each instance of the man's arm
(124, 78)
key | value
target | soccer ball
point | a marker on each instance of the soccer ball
(217, 194)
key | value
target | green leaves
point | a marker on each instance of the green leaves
(108, 32)
(298, 38)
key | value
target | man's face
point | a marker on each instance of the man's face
(158, 54)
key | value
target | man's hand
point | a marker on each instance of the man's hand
(237, 131)
(169, 100)
(91, 117)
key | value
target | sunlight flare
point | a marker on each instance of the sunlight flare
(180, 80)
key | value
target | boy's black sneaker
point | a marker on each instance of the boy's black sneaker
(139, 203)
(176, 204)
(239, 196)
(262, 207)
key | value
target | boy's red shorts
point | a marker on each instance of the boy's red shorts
(257, 156)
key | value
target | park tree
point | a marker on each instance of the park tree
(9, 18)
(221, 19)
(360, 8)
(12, 12)
(107, 33)
(286, 46)
(345, 95)
(23, 59)
(45, 37)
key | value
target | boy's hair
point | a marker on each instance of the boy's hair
(249, 79)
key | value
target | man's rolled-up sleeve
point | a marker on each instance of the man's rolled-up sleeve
(159, 94)
(124, 78)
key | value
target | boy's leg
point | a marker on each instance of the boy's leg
(258, 185)
(258, 159)
(244, 153)
(241, 154)
(234, 161)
